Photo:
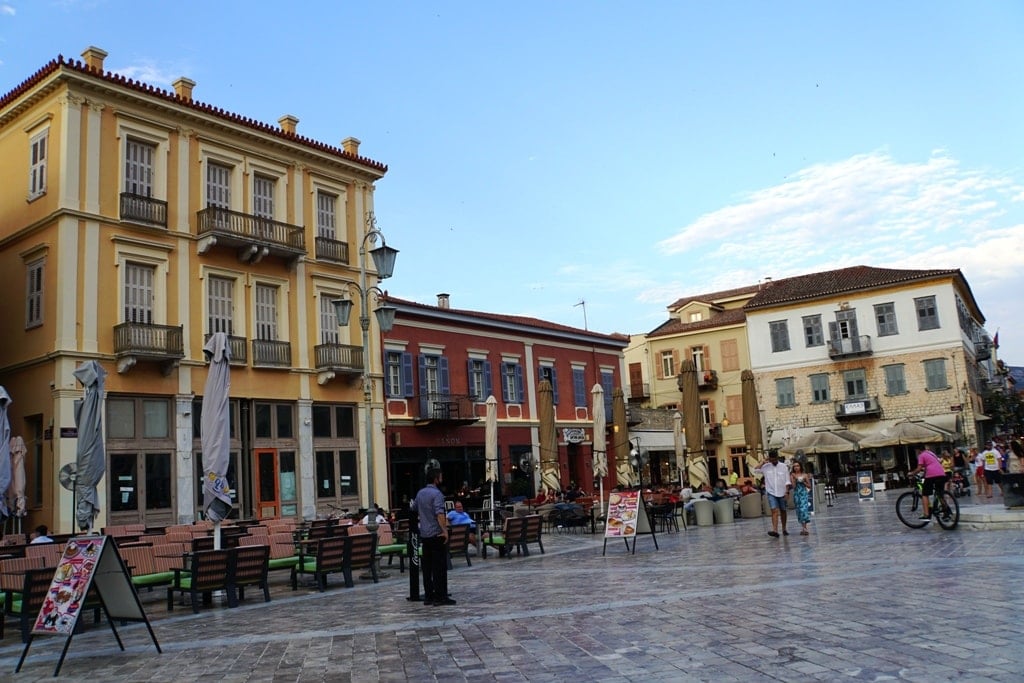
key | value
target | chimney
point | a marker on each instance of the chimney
(93, 57)
(183, 86)
(351, 146)
(442, 300)
(288, 123)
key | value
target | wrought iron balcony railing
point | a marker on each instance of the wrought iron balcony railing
(639, 391)
(235, 229)
(331, 250)
(438, 407)
(339, 358)
(143, 341)
(707, 380)
(271, 353)
(713, 433)
(239, 349)
(141, 209)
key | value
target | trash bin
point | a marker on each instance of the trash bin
(703, 510)
(750, 505)
(1013, 489)
(724, 511)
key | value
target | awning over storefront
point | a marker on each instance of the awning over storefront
(787, 435)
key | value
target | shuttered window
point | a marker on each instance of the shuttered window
(326, 218)
(328, 322)
(218, 186)
(138, 293)
(37, 164)
(266, 312)
(138, 168)
(221, 305)
(34, 294)
(263, 197)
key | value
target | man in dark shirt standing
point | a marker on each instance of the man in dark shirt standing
(434, 534)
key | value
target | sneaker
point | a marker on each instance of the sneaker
(924, 519)
(773, 534)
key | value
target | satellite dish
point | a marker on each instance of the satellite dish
(432, 464)
(67, 476)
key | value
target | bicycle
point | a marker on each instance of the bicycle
(944, 507)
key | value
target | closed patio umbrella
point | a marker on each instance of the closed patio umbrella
(751, 420)
(623, 471)
(692, 421)
(18, 452)
(5, 451)
(549, 475)
(216, 435)
(905, 432)
(600, 441)
(680, 448)
(491, 447)
(90, 459)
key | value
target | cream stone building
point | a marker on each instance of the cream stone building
(138, 221)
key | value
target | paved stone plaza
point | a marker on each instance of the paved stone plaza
(861, 598)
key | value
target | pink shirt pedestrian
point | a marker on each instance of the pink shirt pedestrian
(931, 464)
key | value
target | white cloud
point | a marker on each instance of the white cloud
(8, 10)
(149, 72)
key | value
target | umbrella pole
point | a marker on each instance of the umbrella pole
(492, 503)
(216, 535)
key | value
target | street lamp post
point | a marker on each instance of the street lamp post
(384, 263)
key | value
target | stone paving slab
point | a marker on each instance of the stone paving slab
(862, 598)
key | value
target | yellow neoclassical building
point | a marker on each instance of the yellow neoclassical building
(138, 221)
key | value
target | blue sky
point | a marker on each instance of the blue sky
(622, 154)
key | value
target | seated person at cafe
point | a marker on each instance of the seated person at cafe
(459, 516)
(380, 517)
(41, 535)
(748, 487)
(573, 492)
(720, 490)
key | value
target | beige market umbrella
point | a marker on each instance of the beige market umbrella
(549, 476)
(751, 420)
(491, 447)
(698, 462)
(680, 448)
(623, 472)
(600, 443)
(905, 433)
(823, 441)
(17, 490)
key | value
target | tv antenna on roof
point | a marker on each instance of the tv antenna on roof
(584, 305)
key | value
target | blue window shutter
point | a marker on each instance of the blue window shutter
(554, 385)
(579, 388)
(469, 377)
(504, 385)
(407, 381)
(442, 371)
(607, 383)
(388, 356)
(519, 384)
(423, 373)
(488, 389)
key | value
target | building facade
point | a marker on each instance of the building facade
(442, 363)
(139, 221)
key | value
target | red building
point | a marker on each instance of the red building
(441, 364)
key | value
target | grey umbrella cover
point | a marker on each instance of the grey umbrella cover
(216, 436)
(90, 459)
(5, 450)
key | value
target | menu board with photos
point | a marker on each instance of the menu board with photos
(623, 514)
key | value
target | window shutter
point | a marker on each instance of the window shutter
(519, 384)
(659, 367)
(407, 383)
(675, 363)
(442, 371)
(469, 378)
(488, 387)
(504, 384)
(579, 387)
(707, 357)
(554, 384)
(833, 331)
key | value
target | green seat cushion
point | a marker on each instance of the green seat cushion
(153, 579)
(307, 566)
(495, 540)
(284, 562)
(392, 549)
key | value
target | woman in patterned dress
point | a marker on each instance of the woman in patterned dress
(801, 496)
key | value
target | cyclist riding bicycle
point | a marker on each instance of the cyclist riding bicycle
(934, 478)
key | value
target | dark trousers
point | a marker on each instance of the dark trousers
(435, 568)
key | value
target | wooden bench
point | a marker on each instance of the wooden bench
(532, 533)
(458, 543)
(250, 567)
(510, 536)
(329, 558)
(388, 546)
(208, 571)
(142, 562)
(360, 553)
(25, 603)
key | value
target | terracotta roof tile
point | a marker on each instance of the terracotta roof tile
(841, 281)
(172, 97)
(712, 297)
(732, 316)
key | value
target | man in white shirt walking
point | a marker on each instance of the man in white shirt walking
(777, 483)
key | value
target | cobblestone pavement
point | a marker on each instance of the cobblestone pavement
(861, 598)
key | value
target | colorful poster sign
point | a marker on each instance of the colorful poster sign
(70, 584)
(865, 485)
(623, 513)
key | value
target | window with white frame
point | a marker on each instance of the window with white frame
(819, 388)
(138, 293)
(705, 412)
(785, 393)
(668, 364)
(326, 215)
(927, 313)
(895, 380)
(329, 332)
(779, 330)
(478, 371)
(266, 312)
(430, 374)
(935, 374)
(697, 356)
(856, 383)
(885, 316)
(138, 167)
(398, 374)
(218, 185)
(37, 164)
(220, 305)
(34, 293)
(511, 382)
